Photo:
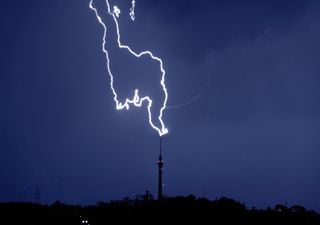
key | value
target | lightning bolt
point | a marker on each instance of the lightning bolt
(195, 97)
(136, 99)
(131, 13)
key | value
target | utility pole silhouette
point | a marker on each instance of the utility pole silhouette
(61, 188)
(36, 197)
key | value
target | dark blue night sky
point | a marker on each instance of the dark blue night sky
(253, 134)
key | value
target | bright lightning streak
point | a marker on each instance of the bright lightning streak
(131, 13)
(136, 100)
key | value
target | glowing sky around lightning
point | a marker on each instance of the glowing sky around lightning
(136, 100)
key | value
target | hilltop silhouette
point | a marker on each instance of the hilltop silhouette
(145, 210)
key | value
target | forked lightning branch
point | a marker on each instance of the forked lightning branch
(136, 100)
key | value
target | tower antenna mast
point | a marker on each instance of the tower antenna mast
(160, 165)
